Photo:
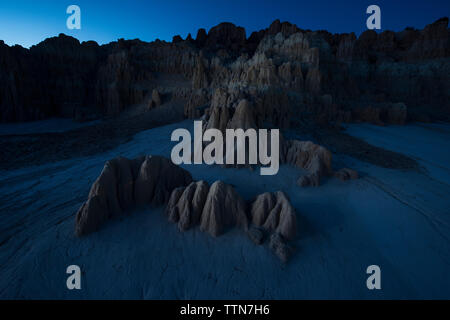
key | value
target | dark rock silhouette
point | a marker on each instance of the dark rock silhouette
(63, 77)
(274, 213)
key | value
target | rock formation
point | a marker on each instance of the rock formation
(219, 207)
(63, 77)
(279, 246)
(123, 183)
(311, 157)
(274, 213)
(156, 99)
(223, 208)
(214, 208)
(155, 180)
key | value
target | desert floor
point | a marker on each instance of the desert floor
(397, 218)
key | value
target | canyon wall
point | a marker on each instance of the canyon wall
(282, 71)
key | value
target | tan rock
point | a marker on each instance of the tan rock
(312, 157)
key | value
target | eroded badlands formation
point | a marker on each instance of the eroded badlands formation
(274, 79)
(125, 184)
(284, 71)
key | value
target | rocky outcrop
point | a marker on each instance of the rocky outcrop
(197, 103)
(155, 100)
(219, 207)
(274, 213)
(384, 113)
(283, 66)
(243, 117)
(117, 84)
(186, 205)
(245, 109)
(55, 77)
(279, 246)
(226, 36)
(123, 183)
(223, 208)
(199, 78)
(309, 156)
(397, 113)
(214, 208)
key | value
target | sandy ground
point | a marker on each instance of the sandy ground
(395, 218)
(47, 141)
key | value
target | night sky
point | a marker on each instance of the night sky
(29, 22)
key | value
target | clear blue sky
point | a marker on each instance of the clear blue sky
(27, 22)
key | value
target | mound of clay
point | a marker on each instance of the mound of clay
(215, 208)
(219, 207)
(274, 213)
(256, 235)
(123, 183)
(156, 180)
(312, 157)
(223, 208)
(186, 204)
